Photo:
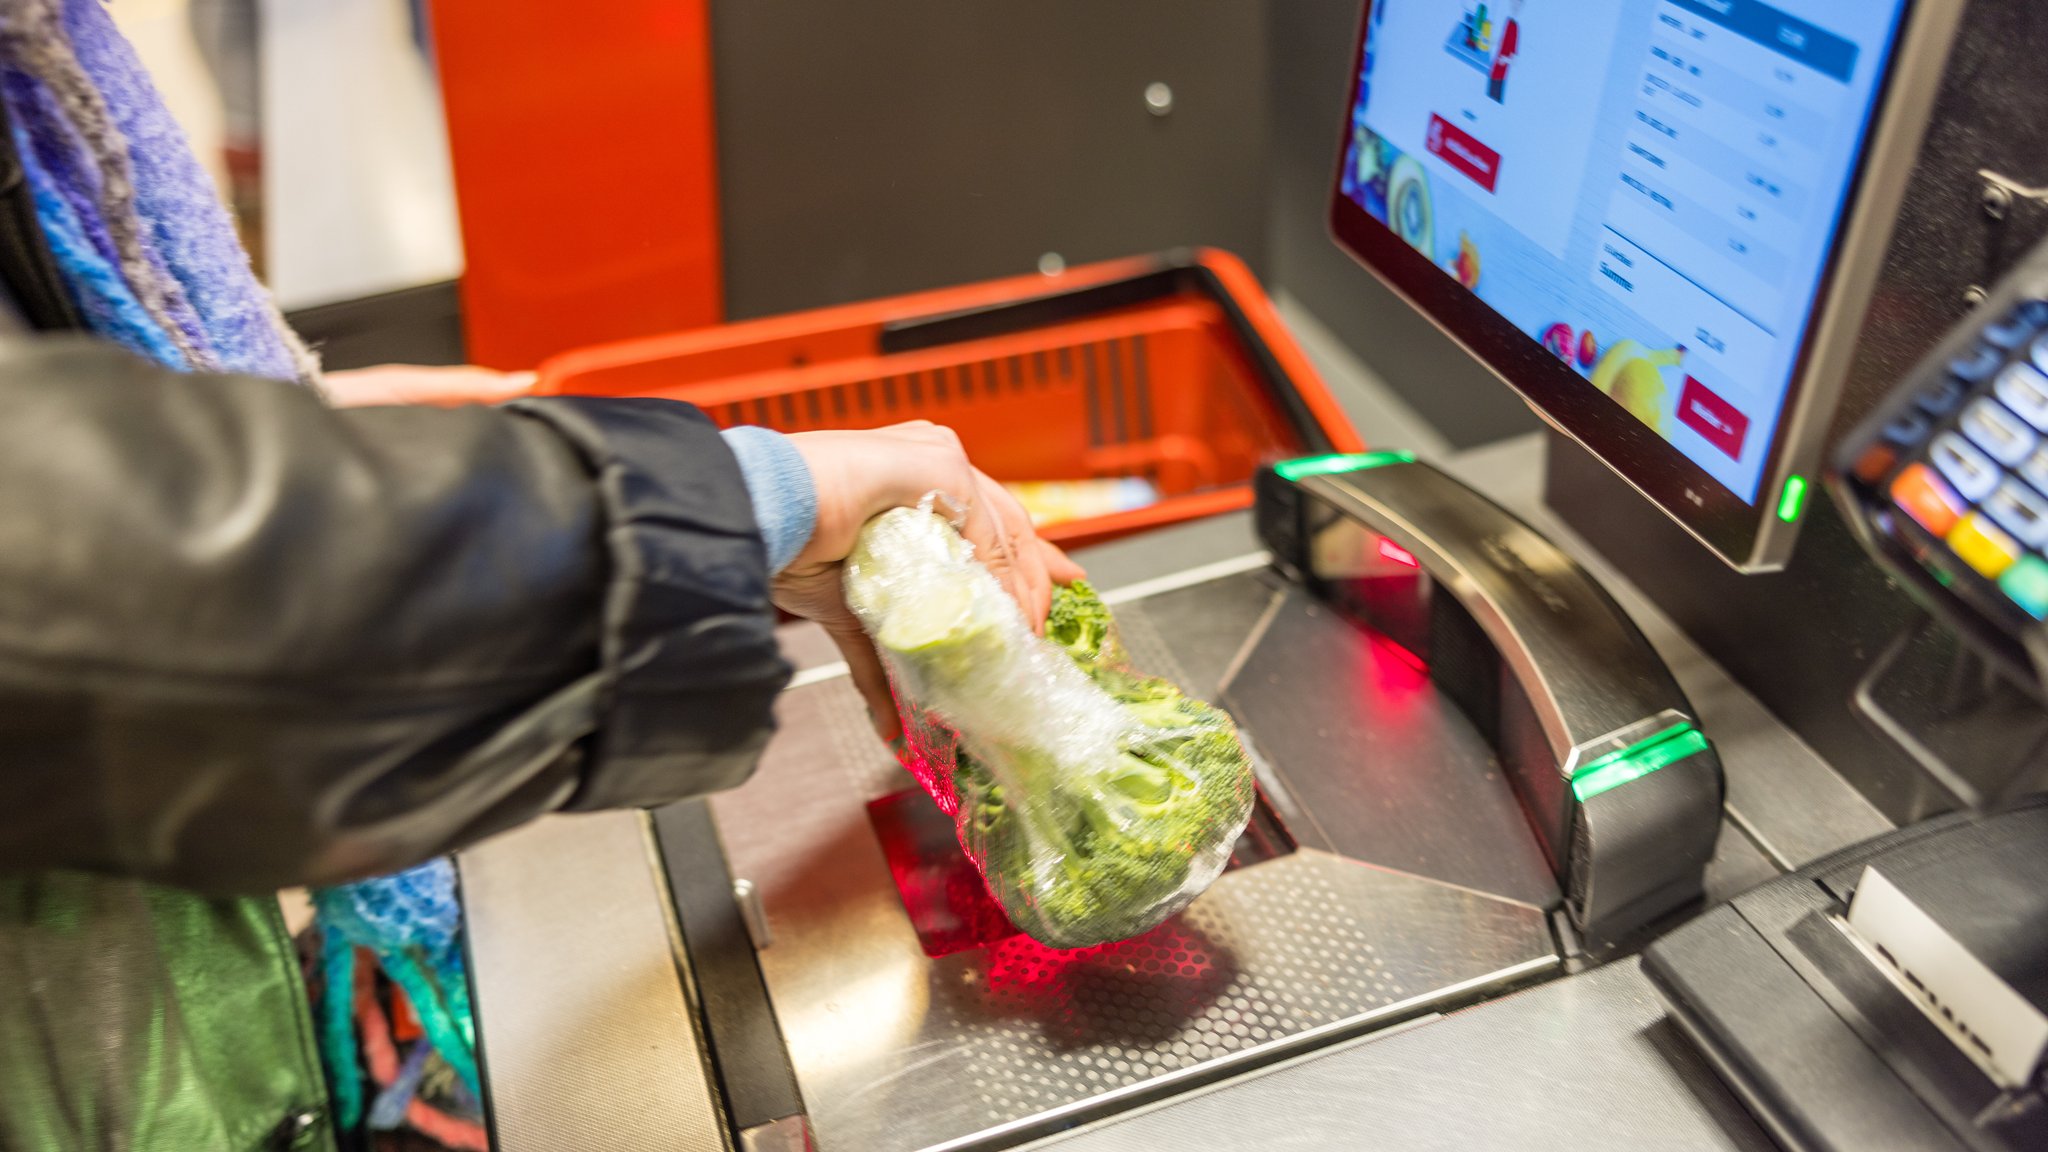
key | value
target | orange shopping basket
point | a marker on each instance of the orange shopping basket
(1173, 369)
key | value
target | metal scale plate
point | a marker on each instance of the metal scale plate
(1414, 884)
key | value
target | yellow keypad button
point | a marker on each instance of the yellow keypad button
(1983, 545)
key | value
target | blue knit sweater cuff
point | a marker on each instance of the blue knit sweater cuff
(779, 484)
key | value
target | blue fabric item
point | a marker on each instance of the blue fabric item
(188, 224)
(103, 298)
(68, 158)
(69, 164)
(779, 483)
(411, 921)
(338, 1026)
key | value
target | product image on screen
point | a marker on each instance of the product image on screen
(1650, 189)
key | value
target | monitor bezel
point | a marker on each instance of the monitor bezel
(1749, 537)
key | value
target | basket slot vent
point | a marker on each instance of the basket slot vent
(1118, 410)
(1141, 381)
(1093, 393)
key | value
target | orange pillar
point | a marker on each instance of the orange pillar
(582, 136)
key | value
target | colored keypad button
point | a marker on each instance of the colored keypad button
(2026, 584)
(1927, 499)
(1909, 429)
(2025, 390)
(2021, 511)
(2035, 471)
(1875, 461)
(2041, 353)
(1984, 546)
(2002, 435)
(1940, 398)
(1978, 364)
(2013, 329)
(1968, 471)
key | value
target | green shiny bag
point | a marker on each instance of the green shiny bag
(149, 1019)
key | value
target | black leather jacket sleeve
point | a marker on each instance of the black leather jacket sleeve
(248, 641)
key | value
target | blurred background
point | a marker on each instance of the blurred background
(656, 166)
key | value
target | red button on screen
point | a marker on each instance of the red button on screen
(1463, 151)
(1716, 420)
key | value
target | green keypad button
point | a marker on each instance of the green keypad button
(2026, 584)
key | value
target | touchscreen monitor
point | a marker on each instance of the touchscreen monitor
(1640, 213)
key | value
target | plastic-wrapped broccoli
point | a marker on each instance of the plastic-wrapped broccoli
(1096, 801)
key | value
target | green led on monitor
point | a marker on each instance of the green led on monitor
(1792, 501)
(1339, 462)
(1637, 760)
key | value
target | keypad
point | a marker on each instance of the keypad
(2024, 389)
(2004, 436)
(1967, 460)
(1927, 499)
(1983, 545)
(2026, 584)
(2012, 330)
(1909, 429)
(1967, 469)
(1977, 365)
(1942, 397)
(2021, 511)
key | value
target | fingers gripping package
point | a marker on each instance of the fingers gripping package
(1096, 801)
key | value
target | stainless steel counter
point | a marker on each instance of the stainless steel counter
(1588, 1064)
(901, 1046)
(579, 903)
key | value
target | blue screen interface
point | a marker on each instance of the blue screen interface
(1651, 189)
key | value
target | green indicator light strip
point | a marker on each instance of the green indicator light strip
(1793, 500)
(1637, 761)
(1339, 462)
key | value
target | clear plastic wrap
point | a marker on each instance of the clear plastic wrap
(1095, 801)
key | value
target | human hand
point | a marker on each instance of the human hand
(860, 475)
(449, 387)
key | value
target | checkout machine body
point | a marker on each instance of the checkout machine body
(1423, 680)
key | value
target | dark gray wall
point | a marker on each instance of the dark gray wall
(1312, 43)
(893, 145)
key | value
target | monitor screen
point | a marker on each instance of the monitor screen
(1648, 191)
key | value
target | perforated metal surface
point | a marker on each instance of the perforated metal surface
(1273, 952)
(894, 1050)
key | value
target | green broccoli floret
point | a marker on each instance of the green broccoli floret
(1104, 858)
(1082, 841)
(1080, 622)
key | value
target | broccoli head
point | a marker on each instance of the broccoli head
(1107, 853)
(1095, 800)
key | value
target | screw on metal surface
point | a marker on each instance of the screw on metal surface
(1052, 264)
(1997, 201)
(2000, 191)
(752, 913)
(1159, 99)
